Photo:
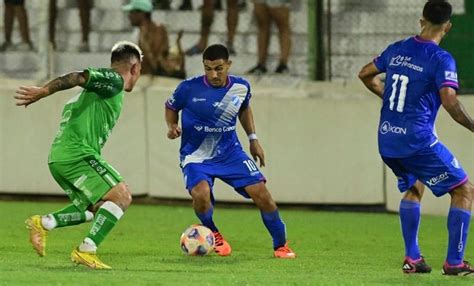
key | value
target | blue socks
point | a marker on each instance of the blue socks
(410, 220)
(458, 228)
(206, 219)
(275, 226)
(272, 222)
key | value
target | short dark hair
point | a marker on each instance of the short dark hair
(125, 51)
(437, 11)
(215, 52)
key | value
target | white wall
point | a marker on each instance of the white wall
(319, 141)
(317, 150)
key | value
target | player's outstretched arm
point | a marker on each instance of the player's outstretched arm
(246, 119)
(27, 95)
(172, 118)
(368, 75)
(455, 108)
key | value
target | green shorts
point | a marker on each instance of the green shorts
(85, 181)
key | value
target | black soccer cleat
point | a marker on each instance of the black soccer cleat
(415, 266)
(463, 269)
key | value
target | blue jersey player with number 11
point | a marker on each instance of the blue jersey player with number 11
(420, 77)
(210, 105)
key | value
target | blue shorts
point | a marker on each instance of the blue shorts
(434, 166)
(238, 171)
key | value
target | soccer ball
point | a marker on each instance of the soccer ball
(197, 240)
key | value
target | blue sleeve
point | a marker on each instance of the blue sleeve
(382, 60)
(446, 73)
(246, 101)
(177, 100)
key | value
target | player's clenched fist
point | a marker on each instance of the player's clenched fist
(174, 132)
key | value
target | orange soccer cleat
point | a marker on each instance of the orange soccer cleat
(284, 252)
(222, 247)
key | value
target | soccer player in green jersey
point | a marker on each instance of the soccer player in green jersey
(96, 189)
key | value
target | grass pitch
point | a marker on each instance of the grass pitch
(332, 248)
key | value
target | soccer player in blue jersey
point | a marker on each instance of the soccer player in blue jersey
(210, 105)
(420, 77)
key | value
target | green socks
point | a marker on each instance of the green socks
(105, 219)
(70, 215)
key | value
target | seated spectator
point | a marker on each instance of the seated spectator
(153, 40)
(267, 11)
(16, 9)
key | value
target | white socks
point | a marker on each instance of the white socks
(88, 245)
(48, 222)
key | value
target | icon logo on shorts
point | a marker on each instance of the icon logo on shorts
(198, 127)
(438, 179)
(455, 163)
(386, 127)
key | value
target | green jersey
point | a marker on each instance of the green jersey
(88, 118)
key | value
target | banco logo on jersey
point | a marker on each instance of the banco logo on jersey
(386, 127)
(438, 179)
(451, 75)
(198, 127)
(404, 61)
(209, 129)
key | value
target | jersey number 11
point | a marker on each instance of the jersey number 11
(402, 93)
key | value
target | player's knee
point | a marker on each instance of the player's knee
(260, 195)
(463, 194)
(126, 195)
(120, 195)
(201, 192)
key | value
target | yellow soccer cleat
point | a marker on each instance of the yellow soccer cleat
(88, 259)
(38, 234)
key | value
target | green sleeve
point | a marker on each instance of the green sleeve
(104, 82)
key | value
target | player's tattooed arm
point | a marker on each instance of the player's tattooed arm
(27, 95)
(66, 81)
(455, 108)
(369, 76)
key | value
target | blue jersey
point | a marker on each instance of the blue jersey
(209, 116)
(416, 70)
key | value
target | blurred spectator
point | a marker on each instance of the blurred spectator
(153, 40)
(207, 17)
(12, 9)
(163, 4)
(85, 7)
(267, 11)
(186, 5)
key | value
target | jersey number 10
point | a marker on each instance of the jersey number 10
(250, 165)
(402, 93)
